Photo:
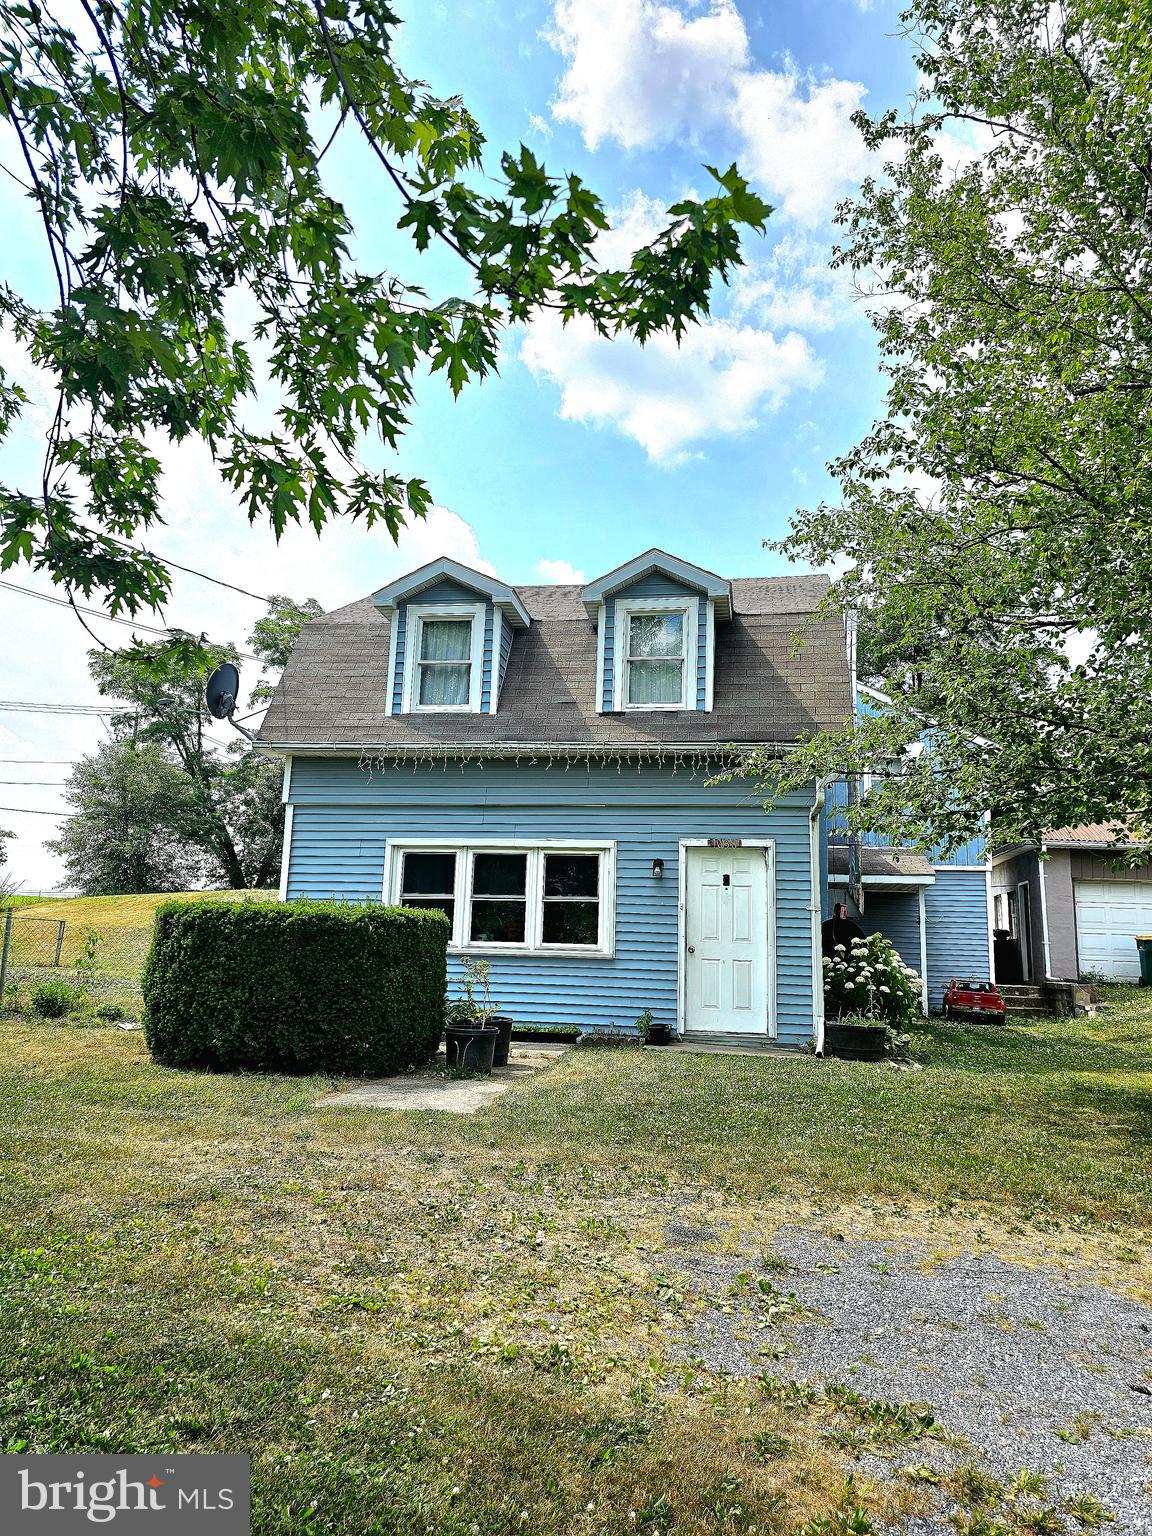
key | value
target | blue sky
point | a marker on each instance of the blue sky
(579, 453)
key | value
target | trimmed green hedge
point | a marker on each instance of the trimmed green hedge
(303, 986)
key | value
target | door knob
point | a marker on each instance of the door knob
(691, 949)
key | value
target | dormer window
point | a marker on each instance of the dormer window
(444, 665)
(655, 664)
(445, 658)
(655, 660)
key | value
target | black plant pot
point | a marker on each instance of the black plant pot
(856, 1042)
(470, 1048)
(659, 1034)
(503, 1038)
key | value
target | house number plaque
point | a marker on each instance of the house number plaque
(725, 842)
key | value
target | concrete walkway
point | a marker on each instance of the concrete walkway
(432, 1088)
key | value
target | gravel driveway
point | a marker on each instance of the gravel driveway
(1032, 1368)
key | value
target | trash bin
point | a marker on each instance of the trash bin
(1144, 949)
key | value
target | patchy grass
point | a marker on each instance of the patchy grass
(102, 912)
(439, 1324)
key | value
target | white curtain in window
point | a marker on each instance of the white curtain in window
(655, 658)
(445, 670)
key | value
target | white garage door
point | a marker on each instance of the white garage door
(1109, 914)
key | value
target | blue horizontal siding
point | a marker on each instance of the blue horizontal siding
(897, 917)
(344, 815)
(505, 651)
(400, 620)
(447, 591)
(957, 927)
(835, 804)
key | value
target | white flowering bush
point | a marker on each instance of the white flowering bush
(868, 980)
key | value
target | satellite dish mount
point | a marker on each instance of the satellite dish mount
(222, 692)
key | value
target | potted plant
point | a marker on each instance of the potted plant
(471, 1035)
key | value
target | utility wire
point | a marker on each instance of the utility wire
(31, 707)
(189, 570)
(24, 810)
(96, 613)
(41, 762)
(38, 783)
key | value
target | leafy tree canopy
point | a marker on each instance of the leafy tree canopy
(134, 826)
(997, 524)
(199, 815)
(175, 156)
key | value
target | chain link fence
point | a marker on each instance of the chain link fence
(107, 962)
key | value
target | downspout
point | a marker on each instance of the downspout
(923, 910)
(1044, 915)
(817, 918)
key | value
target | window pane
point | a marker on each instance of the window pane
(499, 874)
(656, 634)
(430, 904)
(444, 684)
(654, 682)
(571, 922)
(571, 874)
(445, 639)
(429, 874)
(498, 922)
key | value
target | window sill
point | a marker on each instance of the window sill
(522, 951)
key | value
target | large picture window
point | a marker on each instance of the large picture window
(555, 897)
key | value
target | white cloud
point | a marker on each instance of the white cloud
(798, 141)
(793, 285)
(721, 380)
(540, 126)
(642, 72)
(561, 572)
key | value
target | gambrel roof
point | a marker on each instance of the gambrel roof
(334, 690)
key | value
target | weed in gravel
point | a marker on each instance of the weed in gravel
(1088, 1513)
(770, 1446)
(972, 1485)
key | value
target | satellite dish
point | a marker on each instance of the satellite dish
(223, 690)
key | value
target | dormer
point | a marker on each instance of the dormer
(655, 621)
(451, 631)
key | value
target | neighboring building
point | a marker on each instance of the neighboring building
(533, 761)
(935, 909)
(1071, 911)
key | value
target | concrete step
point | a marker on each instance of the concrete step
(1020, 990)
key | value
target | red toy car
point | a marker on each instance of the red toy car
(973, 1000)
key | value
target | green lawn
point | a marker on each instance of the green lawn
(423, 1323)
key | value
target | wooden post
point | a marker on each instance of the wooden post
(59, 941)
(4, 949)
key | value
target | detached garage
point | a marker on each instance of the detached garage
(1081, 912)
(1109, 915)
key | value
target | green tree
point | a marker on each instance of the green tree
(997, 524)
(236, 794)
(134, 823)
(273, 637)
(175, 157)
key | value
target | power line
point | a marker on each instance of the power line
(25, 810)
(41, 762)
(62, 602)
(10, 706)
(189, 570)
(107, 618)
(37, 783)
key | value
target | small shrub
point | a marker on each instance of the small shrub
(110, 1013)
(53, 999)
(868, 980)
(307, 986)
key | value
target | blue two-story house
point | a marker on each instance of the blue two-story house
(535, 762)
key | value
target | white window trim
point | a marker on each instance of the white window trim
(535, 847)
(417, 615)
(625, 608)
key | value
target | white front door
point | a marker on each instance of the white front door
(726, 958)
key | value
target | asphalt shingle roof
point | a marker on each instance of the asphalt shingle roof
(334, 690)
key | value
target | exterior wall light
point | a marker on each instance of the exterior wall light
(657, 869)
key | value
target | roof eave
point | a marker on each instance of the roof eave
(714, 587)
(407, 587)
